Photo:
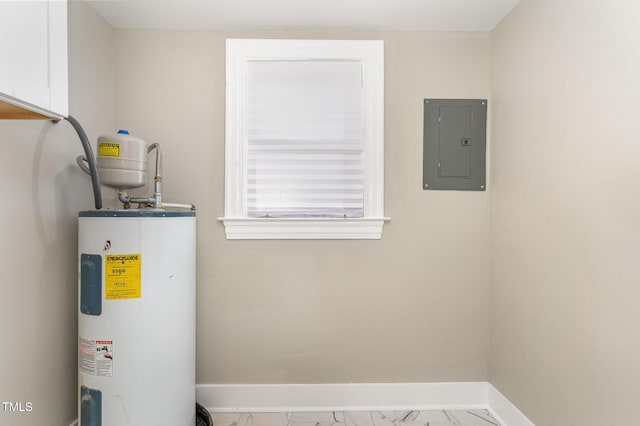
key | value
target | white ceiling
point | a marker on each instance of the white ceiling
(390, 15)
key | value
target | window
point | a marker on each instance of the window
(304, 139)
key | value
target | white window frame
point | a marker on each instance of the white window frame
(237, 225)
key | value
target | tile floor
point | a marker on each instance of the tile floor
(359, 418)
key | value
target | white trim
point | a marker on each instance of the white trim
(30, 107)
(287, 229)
(361, 397)
(504, 411)
(342, 397)
(238, 53)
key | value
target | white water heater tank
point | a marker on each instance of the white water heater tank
(136, 321)
(122, 160)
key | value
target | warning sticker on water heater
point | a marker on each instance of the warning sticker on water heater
(123, 276)
(95, 357)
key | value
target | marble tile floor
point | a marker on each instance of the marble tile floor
(359, 418)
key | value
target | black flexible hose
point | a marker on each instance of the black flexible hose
(91, 160)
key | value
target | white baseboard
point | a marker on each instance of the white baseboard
(361, 397)
(504, 411)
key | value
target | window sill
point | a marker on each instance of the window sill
(303, 228)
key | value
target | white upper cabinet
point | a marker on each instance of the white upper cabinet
(33, 59)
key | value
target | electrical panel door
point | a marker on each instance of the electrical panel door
(454, 146)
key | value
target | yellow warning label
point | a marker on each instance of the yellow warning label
(109, 149)
(123, 276)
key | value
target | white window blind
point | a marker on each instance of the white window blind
(305, 139)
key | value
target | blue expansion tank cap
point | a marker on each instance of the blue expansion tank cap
(123, 132)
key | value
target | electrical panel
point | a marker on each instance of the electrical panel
(454, 146)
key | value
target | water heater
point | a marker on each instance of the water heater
(136, 303)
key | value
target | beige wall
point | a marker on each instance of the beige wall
(564, 211)
(412, 307)
(42, 192)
